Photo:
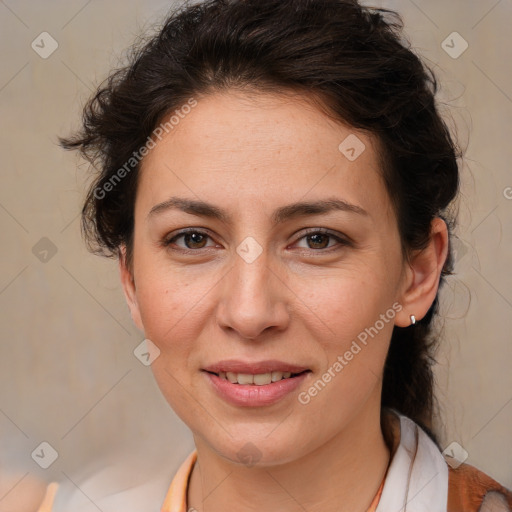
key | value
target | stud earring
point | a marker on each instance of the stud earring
(413, 320)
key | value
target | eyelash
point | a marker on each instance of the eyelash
(342, 241)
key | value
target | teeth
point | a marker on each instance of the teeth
(245, 378)
(260, 379)
(263, 378)
(230, 376)
(277, 376)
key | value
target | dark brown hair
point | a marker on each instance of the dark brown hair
(353, 59)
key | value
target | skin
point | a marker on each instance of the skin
(303, 300)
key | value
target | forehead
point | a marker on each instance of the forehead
(242, 149)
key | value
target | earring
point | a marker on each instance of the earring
(413, 320)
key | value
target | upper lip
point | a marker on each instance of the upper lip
(254, 368)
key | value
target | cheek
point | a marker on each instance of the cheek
(355, 344)
(169, 301)
(344, 304)
(171, 307)
(351, 319)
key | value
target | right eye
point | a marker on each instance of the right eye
(193, 239)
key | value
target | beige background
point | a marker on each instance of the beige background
(68, 375)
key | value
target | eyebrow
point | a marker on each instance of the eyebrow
(280, 215)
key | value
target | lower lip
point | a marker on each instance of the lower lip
(251, 395)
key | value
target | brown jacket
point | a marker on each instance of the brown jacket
(471, 490)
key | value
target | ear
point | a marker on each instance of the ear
(130, 294)
(421, 276)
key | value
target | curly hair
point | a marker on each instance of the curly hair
(353, 61)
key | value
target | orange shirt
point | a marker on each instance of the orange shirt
(176, 498)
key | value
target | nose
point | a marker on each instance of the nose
(254, 298)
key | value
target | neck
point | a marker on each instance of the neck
(343, 475)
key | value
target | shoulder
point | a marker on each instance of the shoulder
(471, 490)
(115, 487)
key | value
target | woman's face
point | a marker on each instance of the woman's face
(257, 281)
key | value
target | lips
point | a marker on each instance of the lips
(255, 384)
(252, 395)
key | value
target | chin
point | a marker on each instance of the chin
(257, 450)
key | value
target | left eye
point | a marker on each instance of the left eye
(318, 239)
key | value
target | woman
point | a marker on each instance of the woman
(277, 184)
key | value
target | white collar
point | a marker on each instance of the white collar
(417, 478)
